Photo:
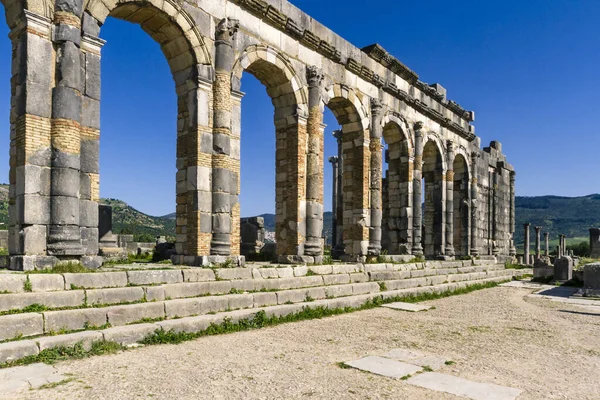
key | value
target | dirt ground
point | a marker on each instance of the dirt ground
(549, 350)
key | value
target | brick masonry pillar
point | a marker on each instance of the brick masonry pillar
(449, 249)
(314, 165)
(474, 206)
(64, 234)
(225, 169)
(526, 243)
(89, 175)
(417, 248)
(30, 157)
(376, 166)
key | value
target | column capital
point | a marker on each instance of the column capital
(334, 160)
(537, 228)
(376, 107)
(338, 135)
(226, 30)
(526, 225)
(450, 146)
(547, 234)
(418, 127)
(314, 76)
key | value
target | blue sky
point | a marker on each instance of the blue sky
(529, 69)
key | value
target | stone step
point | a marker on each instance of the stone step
(127, 332)
(135, 294)
(17, 326)
(11, 283)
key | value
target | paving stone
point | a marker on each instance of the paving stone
(130, 334)
(86, 338)
(434, 362)
(96, 280)
(13, 283)
(403, 354)
(123, 315)
(233, 273)
(11, 351)
(114, 296)
(150, 277)
(264, 299)
(18, 301)
(384, 366)
(46, 282)
(198, 275)
(155, 293)
(21, 325)
(70, 320)
(463, 387)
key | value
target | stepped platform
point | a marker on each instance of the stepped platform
(126, 304)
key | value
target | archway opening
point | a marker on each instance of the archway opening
(353, 206)
(332, 180)
(258, 150)
(398, 191)
(461, 206)
(433, 199)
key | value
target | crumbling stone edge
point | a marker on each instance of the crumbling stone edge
(259, 320)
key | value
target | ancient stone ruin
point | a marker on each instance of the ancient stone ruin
(468, 206)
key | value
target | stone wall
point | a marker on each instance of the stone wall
(595, 242)
(304, 67)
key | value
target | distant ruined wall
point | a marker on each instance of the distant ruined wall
(305, 67)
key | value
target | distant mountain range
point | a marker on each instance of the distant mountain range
(572, 216)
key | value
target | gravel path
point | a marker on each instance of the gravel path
(550, 350)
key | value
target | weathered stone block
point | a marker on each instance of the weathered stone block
(591, 279)
(359, 277)
(12, 283)
(90, 112)
(46, 282)
(66, 103)
(563, 269)
(155, 293)
(130, 334)
(32, 209)
(365, 288)
(190, 325)
(33, 179)
(71, 320)
(96, 280)
(233, 273)
(213, 304)
(338, 291)
(70, 340)
(321, 269)
(182, 308)
(181, 290)
(338, 279)
(239, 301)
(114, 296)
(151, 277)
(123, 315)
(88, 213)
(68, 65)
(21, 325)
(90, 153)
(72, 298)
(265, 299)
(12, 351)
(268, 273)
(244, 284)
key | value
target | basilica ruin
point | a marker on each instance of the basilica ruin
(468, 203)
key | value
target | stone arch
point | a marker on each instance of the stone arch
(166, 22)
(353, 116)
(461, 204)
(434, 200)
(397, 186)
(275, 71)
(289, 98)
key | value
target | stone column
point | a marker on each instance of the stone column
(495, 214)
(526, 243)
(339, 249)
(375, 179)
(474, 206)
(563, 245)
(314, 168)
(30, 112)
(538, 241)
(547, 242)
(449, 250)
(417, 248)
(513, 249)
(89, 191)
(224, 169)
(64, 234)
(334, 198)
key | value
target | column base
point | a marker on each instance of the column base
(449, 251)
(91, 262)
(374, 250)
(417, 250)
(353, 258)
(32, 263)
(209, 261)
(444, 257)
